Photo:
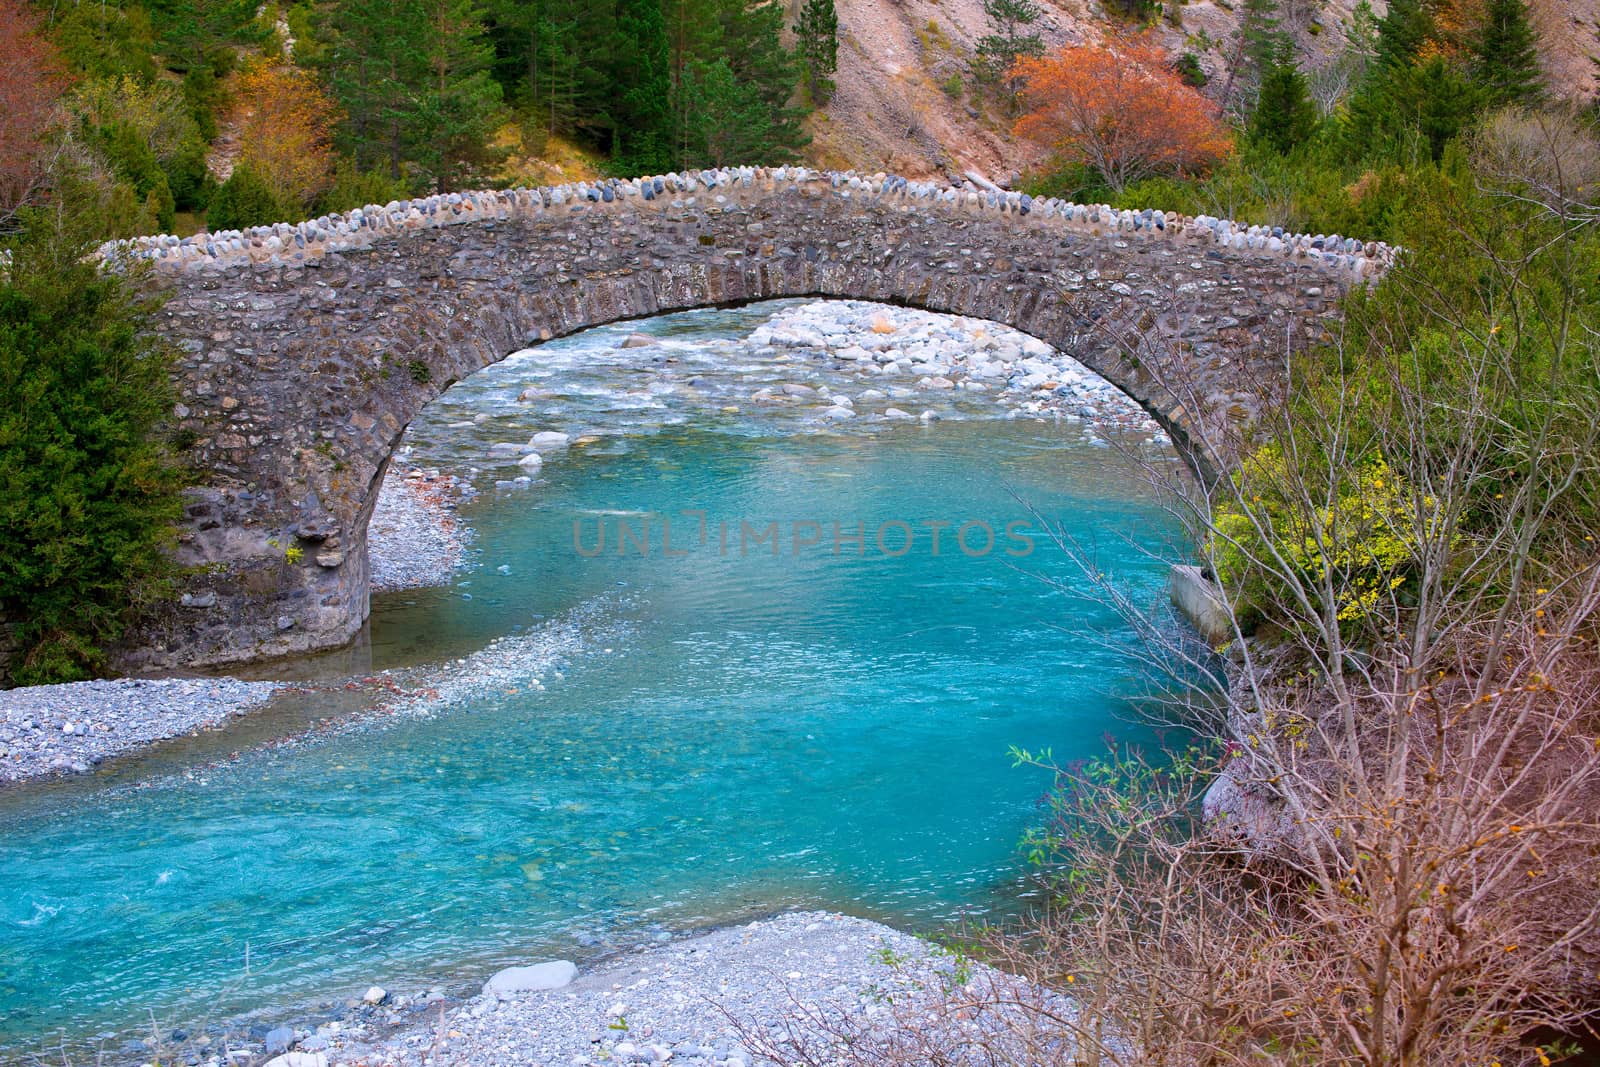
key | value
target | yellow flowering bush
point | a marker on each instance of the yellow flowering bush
(1365, 539)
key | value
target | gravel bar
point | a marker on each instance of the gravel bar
(69, 729)
(720, 999)
(414, 539)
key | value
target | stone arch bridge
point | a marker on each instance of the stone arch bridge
(307, 349)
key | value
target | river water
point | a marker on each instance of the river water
(791, 698)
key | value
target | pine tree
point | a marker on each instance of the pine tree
(752, 44)
(695, 33)
(1402, 31)
(553, 59)
(192, 33)
(728, 121)
(412, 77)
(641, 127)
(1405, 112)
(818, 33)
(459, 103)
(88, 494)
(1505, 54)
(1261, 36)
(245, 199)
(1285, 116)
(1011, 40)
(1360, 40)
(376, 61)
(1259, 39)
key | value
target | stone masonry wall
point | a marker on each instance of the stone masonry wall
(307, 349)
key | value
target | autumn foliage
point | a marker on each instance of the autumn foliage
(31, 83)
(1120, 110)
(286, 125)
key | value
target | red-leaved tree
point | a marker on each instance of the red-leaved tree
(32, 79)
(1119, 109)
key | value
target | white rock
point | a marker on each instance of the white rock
(299, 1059)
(532, 460)
(376, 995)
(551, 975)
(546, 439)
(896, 413)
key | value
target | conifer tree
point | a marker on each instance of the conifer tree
(1360, 37)
(192, 33)
(752, 43)
(1402, 31)
(412, 77)
(459, 102)
(642, 116)
(553, 59)
(1012, 38)
(695, 36)
(818, 33)
(246, 199)
(1285, 115)
(1259, 39)
(1261, 36)
(1505, 53)
(376, 59)
(729, 123)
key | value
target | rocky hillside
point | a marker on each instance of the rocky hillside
(907, 100)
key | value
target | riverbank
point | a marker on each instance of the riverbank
(48, 730)
(733, 997)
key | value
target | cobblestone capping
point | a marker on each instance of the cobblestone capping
(308, 348)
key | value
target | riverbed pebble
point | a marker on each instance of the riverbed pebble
(72, 728)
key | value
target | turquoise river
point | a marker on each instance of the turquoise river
(624, 746)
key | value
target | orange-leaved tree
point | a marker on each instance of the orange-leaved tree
(32, 79)
(286, 126)
(1119, 109)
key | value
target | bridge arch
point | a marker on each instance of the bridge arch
(308, 349)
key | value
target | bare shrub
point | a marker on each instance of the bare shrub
(1548, 157)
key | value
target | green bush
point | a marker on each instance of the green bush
(245, 200)
(1188, 68)
(104, 40)
(88, 496)
(203, 94)
(191, 183)
(354, 188)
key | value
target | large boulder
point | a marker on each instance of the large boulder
(1238, 810)
(540, 976)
